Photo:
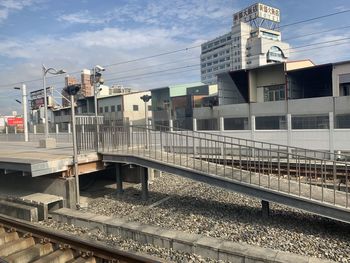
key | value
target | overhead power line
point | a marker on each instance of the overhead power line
(180, 50)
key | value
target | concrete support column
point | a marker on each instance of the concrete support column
(69, 128)
(7, 130)
(119, 179)
(331, 133)
(171, 125)
(57, 129)
(252, 127)
(194, 124)
(34, 129)
(221, 124)
(265, 208)
(144, 182)
(289, 129)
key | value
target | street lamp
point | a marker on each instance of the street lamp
(97, 80)
(24, 105)
(146, 99)
(52, 71)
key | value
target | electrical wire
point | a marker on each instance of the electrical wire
(183, 49)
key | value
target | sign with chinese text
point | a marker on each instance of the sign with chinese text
(257, 11)
(14, 121)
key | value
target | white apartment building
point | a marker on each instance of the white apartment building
(253, 41)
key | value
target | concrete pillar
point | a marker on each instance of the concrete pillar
(34, 129)
(265, 208)
(7, 130)
(289, 129)
(331, 133)
(119, 179)
(144, 182)
(57, 129)
(252, 127)
(171, 125)
(151, 174)
(15, 129)
(221, 123)
(69, 128)
(194, 124)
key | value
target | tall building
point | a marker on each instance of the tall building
(253, 41)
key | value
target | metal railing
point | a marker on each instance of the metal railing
(306, 174)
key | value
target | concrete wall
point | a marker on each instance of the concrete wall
(65, 187)
(318, 139)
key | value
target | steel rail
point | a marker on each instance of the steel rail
(96, 249)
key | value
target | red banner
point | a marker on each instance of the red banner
(14, 121)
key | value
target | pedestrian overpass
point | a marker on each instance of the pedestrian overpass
(313, 181)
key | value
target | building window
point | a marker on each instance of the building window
(106, 108)
(113, 108)
(236, 124)
(274, 93)
(135, 107)
(310, 122)
(101, 110)
(271, 123)
(207, 125)
(342, 121)
(119, 107)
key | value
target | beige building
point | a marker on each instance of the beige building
(125, 107)
(252, 42)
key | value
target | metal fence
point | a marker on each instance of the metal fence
(305, 173)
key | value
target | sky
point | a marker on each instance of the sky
(74, 35)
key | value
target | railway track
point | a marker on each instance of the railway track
(23, 242)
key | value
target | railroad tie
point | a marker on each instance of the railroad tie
(58, 256)
(84, 260)
(8, 237)
(16, 245)
(30, 254)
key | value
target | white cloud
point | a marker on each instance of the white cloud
(8, 6)
(81, 17)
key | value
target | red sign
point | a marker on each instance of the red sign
(14, 121)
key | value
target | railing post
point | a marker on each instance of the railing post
(221, 124)
(252, 127)
(15, 129)
(194, 124)
(69, 128)
(34, 129)
(171, 125)
(7, 130)
(331, 135)
(289, 129)
(130, 134)
(57, 129)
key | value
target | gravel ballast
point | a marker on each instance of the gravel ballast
(168, 255)
(182, 204)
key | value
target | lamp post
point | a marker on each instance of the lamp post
(97, 79)
(72, 90)
(52, 71)
(25, 113)
(146, 99)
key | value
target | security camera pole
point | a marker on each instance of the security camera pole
(72, 90)
(146, 99)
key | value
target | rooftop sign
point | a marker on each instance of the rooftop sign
(257, 11)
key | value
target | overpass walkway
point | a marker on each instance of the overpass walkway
(195, 155)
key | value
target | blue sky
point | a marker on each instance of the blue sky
(79, 34)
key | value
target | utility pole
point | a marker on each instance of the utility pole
(25, 111)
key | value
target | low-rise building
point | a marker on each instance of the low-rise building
(293, 103)
(176, 103)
